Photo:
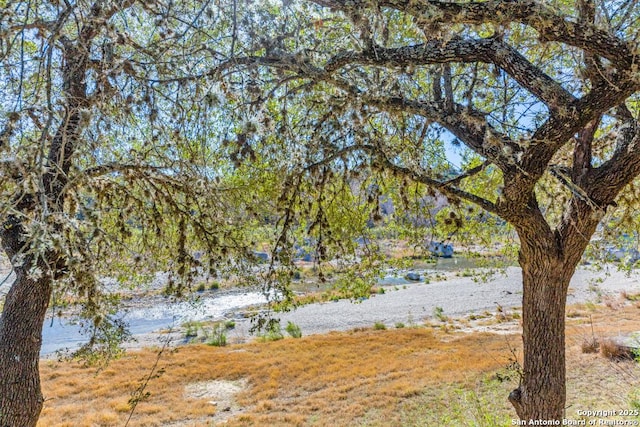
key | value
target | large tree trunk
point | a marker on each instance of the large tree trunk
(20, 340)
(542, 392)
(21, 323)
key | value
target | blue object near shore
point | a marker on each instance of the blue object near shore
(440, 249)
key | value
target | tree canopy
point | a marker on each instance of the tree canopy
(135, 133)
(544, 94)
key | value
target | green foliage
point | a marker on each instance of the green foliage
(218, 336)
(191, 329)
(293, 330)
(465, 273)
(229, 324)
(105, 338)
(379, 326)
(273, 332)
(438, 313)
(356, 283)
(214, 334)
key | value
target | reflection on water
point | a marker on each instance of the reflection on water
(59, 334)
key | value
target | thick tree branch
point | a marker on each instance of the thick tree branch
(470, 126)
(115, 167)
(561, 127)
(467, 124)
(445, 187)
(605, 182)
(467, 174)
(77, 62)
(582, 152)
(461, 50)
(442, 187)
(550, 25)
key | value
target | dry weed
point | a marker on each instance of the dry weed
(615, 351)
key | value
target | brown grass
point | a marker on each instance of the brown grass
(341, 376)
(376, 378)
(614, 351)
(590, 345)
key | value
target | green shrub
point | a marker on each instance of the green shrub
(273, 333)
(214, 286)
(293, 330)
(201, 287)
(379, 326)
(399, 325)
(229, 324)
(218, 337)
(191, 329)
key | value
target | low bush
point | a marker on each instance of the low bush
(218, 336)
(379, 326)
(293, 330)
(273, 333)
(438, 313)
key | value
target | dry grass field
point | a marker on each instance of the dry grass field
(413, 376)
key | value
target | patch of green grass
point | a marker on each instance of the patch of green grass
(229, 324)
(379, 326)
(452, 405)
(465, 273)
(273, 333)
(191, 329)
(630, 297)
(218, 336)
(293, 330)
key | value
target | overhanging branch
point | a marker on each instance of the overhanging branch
(459, 50)
(442, 187)
(445, 187)
(551, 25)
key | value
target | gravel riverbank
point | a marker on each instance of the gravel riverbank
(413, 303)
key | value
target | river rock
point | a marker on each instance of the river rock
(415, 277)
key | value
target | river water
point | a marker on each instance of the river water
(59, 334)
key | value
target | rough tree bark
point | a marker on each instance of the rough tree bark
(20, 341)
(549, 259)
(542, 392)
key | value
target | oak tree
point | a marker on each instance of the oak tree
(120, 116)
(105, 172)
(543, 93)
